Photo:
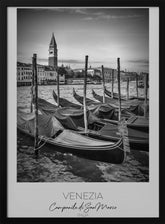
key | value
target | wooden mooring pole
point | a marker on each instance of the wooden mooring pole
(112, 83)
(103, 82)
(118, 77)
(32, 89)
(145, 78)
(35, 103)
(84, 99)
(137, 94)
(127, 88)
(58, 90)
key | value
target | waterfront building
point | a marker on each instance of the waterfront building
(47, 75)
(123, 75)
(130, 75)
(108, 74)
(24, 74)
(94, 72)
(78, 70)
(91, 71)
(78, 81)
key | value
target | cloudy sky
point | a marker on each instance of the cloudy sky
(102, 33)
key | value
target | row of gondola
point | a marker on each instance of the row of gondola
(63, 127)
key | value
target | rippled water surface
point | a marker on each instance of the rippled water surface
(52, 166)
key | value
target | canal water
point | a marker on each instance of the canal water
(52, 166)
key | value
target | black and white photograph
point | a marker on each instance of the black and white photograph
(82, 110)
(83, 95)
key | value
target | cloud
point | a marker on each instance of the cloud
(75, 61)
(120, 16)
(96, 14)
(43, 59)
(68, 61)
(139, 61)
(80, 11)
(88, 18)
(89, 13)
(100, 13)
(72, 61)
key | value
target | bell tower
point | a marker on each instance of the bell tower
(52, 52)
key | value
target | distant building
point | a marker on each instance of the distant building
(123, 75)
(94, 72)
(78, 70)
(126, 75)
(108, 74)
(24, 74)
(78, 81)
(46, 75)
(91, 71)
(52, 60)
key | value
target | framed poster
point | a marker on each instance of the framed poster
(77, 172)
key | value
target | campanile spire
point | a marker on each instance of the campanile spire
(52, 52)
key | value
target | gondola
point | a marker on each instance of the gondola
(73, 118)
(89, 102)
(135, 122)
(99, 99)
(116, 96)
(65, 103)
(132, 105)
(51, 132)
(98, 109)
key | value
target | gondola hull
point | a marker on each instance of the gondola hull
(134, 143)
(114, 155)
(68, 141)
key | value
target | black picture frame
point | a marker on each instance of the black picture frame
(4, 4)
